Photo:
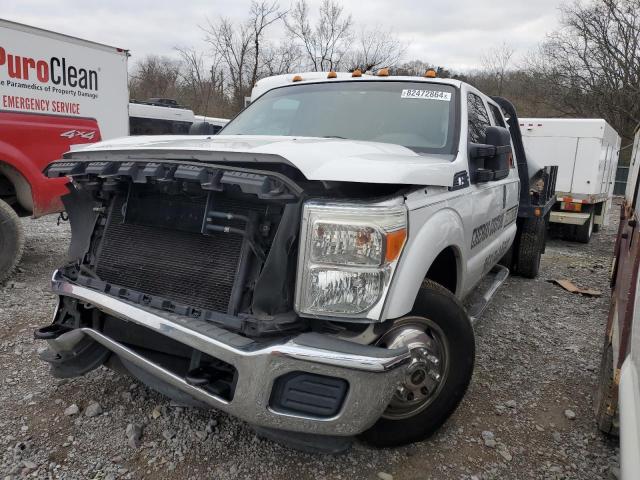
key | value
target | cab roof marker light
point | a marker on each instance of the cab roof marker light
(297, 78)
(383, 72)
(431, 73)
(356, 73)
(332, 74)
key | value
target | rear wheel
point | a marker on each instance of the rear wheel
(11, 240)
(442, 347)
(583, 232)
(530, 246)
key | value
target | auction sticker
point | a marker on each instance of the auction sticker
(426, 94)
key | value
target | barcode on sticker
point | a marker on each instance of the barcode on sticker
(426, 94)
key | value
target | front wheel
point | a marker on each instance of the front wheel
(442, 344)
(11, 240)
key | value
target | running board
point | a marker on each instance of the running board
(480, 301)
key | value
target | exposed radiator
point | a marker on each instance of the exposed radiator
(186, 267)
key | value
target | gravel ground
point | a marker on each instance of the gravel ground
(527, 413)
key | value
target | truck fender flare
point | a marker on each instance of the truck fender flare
(36, 196)
(444, 229)
(10, 167)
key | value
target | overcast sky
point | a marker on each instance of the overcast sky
(447, 33)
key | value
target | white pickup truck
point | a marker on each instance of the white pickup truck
(304, 269)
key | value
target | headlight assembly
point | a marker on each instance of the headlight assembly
(348, 253)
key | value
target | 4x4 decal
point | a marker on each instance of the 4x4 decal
(77, 133)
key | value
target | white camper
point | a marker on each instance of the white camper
(586, 153)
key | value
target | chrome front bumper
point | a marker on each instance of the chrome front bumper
(371, 372)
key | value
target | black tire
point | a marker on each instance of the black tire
(443, 308)
(530, 246)
(583, 232)
(603, 399)
(11, 240)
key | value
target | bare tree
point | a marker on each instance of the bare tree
(283, 58)
(199, 83)
(238, 46)
(375, 48)
(154, 76)
(325, 44)
(496, 63)
(262, 16)
(417, 68)
(592, 64)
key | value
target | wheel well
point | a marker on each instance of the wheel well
(15, 189)
(444, 269)
(6, 187)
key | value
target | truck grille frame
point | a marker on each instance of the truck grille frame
(183, 267)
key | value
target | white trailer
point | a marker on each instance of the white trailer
(586, 153)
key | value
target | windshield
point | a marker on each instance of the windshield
(417, 115)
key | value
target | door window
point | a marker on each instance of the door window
(478, 118)
(497, 115)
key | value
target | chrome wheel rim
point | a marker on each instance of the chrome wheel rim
(426, 374)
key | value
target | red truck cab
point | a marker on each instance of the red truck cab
(27, 144)
(56, 91)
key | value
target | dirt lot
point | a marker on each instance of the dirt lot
(538, 353)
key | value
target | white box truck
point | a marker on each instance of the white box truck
(586, 153)
(55, 91)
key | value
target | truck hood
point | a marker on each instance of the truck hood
(324, 159)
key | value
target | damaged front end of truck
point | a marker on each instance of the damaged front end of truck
(271, 272)
(185, 274)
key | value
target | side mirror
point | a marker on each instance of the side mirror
(491, 160)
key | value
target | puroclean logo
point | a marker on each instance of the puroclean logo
(57, 70)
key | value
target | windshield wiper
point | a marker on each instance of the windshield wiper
(333, 136)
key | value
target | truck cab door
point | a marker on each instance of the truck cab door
(511, 183)
(491, 230)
